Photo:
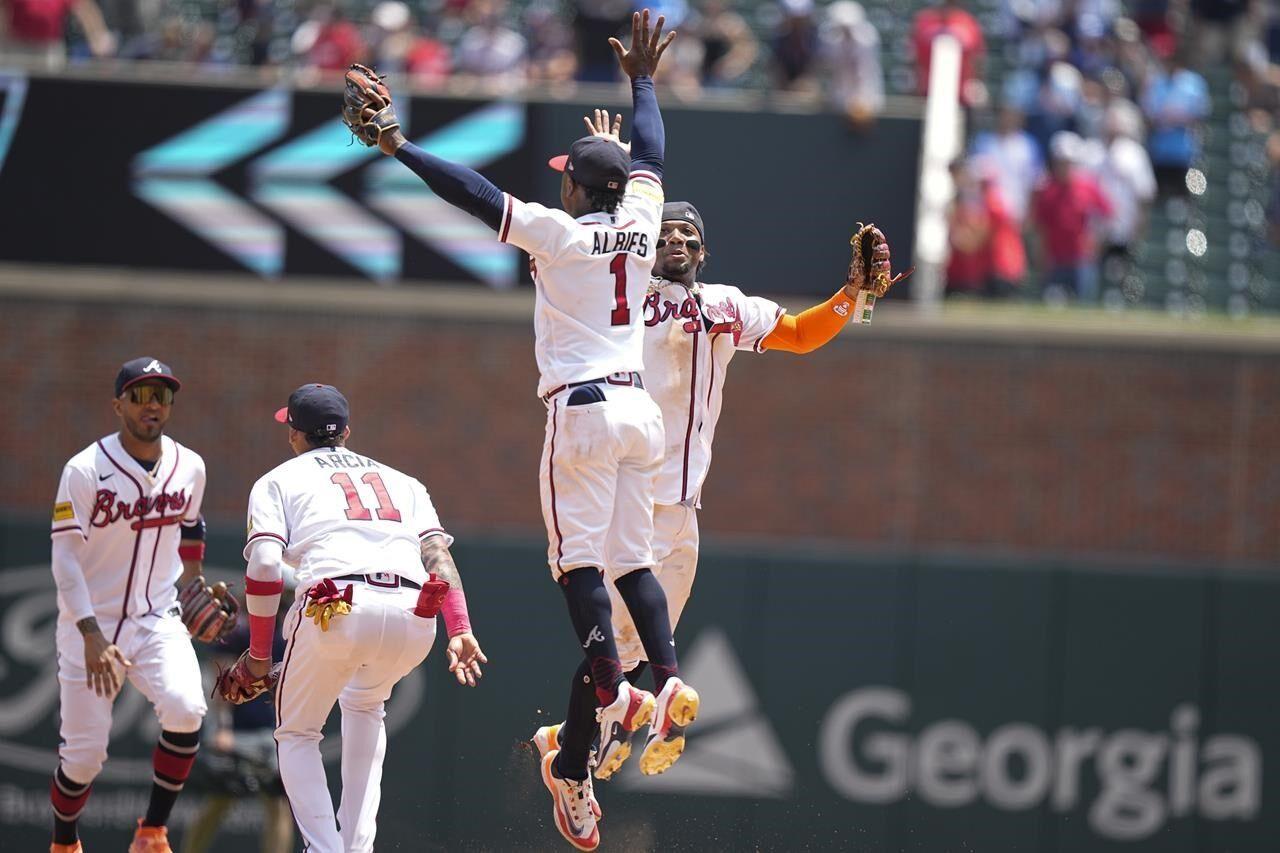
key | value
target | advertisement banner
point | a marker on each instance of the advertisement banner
(848, 704)
(269, 182)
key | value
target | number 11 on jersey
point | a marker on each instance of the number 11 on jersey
(356, 510)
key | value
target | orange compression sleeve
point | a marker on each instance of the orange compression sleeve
(812, 328)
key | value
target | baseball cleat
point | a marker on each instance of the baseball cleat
(618, 722)
(66, 848)
(677, 708)
(150, 839)
(546, 739)
(571, 806)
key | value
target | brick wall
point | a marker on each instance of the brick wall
(888, 441)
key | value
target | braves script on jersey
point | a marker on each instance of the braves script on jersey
(337, 513)
(690, 336)
(129, 519)
(590, 274)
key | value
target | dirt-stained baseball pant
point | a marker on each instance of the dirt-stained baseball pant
(675, 553)
(355, 663)
(599, 462)
(165, 670)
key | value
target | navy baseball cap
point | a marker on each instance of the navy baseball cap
(316, 410)
(141, 369)
(685, 212)
(596, 163)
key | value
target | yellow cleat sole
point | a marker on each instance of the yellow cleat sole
(605, 771)
(660, 755)
(684, 707)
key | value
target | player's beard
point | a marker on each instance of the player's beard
(144, 432)
(675, 270)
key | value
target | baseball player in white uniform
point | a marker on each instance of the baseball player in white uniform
(126, 529)
(373, 568)
(591, 263)
(692, 332)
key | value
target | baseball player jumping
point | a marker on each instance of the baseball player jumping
(692, 331)
(603, 444)
(373, 570)
(126, 529)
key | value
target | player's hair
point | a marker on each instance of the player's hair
(315, 440)
(604, 200)
(706, 256)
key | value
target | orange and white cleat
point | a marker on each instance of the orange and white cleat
(571, 806)
(618, 722)
(547, 738)
(150, 839)
(677, 707)
(66, 848)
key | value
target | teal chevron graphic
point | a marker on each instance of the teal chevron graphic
(14, 85)
(291, 181)
(474, 140)
(174, 178)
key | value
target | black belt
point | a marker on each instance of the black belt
(629, 380)
(394, 583)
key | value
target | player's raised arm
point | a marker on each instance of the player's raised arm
(648, 137)
(368, 111)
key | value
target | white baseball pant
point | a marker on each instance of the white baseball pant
(165, 670)
(355, 663)
(675, 552)
(599, 463)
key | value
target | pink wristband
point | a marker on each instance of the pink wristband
(454, 609)
(262, 630)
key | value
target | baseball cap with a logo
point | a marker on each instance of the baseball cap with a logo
(141, 369)
(682, 211)
(316, 410)
(595, 163)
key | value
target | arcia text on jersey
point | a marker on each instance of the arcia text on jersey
(344, 460)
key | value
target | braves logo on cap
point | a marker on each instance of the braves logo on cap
(153, 367)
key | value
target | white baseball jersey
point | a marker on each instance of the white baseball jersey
(690, 336)
(129, 519)
(339, 513)
(590, 275)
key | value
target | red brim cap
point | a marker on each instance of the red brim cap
(559, 162)
(282, 416)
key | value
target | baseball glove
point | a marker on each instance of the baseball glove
(238, 685)
(366, 105)
(208, 612)
(869, 269)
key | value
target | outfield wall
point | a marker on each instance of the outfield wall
(850, 703)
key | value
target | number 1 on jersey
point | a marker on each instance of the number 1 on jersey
(621, 315)
(356, 510)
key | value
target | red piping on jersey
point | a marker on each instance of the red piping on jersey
(506, 217)
(624, 225)
(760, 340)
(128, 585)
(688, 433)
(647, 176)
(66, 529)
(279, 700)
(160, 522)
(432, 532)
(265, 533)
(551, 478)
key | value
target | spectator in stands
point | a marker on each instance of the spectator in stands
(490, 49)
(1126, 176)
(1273, 204)
(729, 46)
(1066, 208)
(949, 16)
(399, 46)
(1058, 103)
(850, 56)
(987, 254)
(795, 47)
(337, 42)
(1223, 29)
(36, 30)
(1016, 162)
(551, 55)
(594, 22)
(1176, 101)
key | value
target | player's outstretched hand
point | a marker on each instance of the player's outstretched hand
(599, 126)
(105, 663)
(465, 658)
(647, 46)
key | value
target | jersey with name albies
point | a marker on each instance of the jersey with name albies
(129, 519)
(339, 513)
(690, 337)
(590, 275)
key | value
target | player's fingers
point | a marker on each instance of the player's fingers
(662, 47)
(636, 39)
(617, 48)
(119, 655)
(591, 128)
(452, 657)
(617, 124)
(657, 33)
(480, 656)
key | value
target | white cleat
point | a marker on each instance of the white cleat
(677, 707)
(618, 722)
(547, 739)
(572, 806)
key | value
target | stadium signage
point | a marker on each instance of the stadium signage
(1131, 782)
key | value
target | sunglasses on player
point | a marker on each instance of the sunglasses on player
(144, 394)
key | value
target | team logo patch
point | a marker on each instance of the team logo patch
(841, 308)
(63, 511)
